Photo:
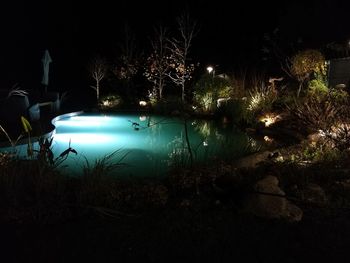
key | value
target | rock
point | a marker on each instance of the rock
(293, 213)
(252, 160)
(270, 202)
(267, 205)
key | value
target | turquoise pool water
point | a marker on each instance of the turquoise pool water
(147, 144)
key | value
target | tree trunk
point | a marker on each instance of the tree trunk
(97, 90)
(299, 89)
(183, 91)
(160, 88)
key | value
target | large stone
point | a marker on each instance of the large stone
(269, 201)
(293, 213)
(252, 160)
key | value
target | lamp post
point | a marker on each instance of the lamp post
(210, 69)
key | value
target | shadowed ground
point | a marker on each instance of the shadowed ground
(209, 235)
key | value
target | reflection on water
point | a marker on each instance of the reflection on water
(152, 143)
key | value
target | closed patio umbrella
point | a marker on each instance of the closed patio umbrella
(46, 60)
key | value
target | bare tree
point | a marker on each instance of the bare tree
(98, 69)
(275, 48)
(127, 64)
(179, 49)
(158, 62)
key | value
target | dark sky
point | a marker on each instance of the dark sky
(230, 32)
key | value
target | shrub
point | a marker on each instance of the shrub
(208, 90)
(321, 152)
(317, 86)
(315, 113)
(169, 105)
(307, 63)
(339, 96)
(234, 109)
(110, 101)
(261, 99)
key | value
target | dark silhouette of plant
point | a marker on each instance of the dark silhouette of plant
(11, 141)
(127, 64)
(46, 156)
(105, 165)
(279, 51)
(16, 91)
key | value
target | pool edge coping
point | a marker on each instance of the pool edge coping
(24, 141)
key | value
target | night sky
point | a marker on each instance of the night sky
(229, 36)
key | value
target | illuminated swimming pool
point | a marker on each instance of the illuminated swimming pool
(148, 144)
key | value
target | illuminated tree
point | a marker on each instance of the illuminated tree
(98, 69)
(158, 62)
(305, 64)
(179, 49)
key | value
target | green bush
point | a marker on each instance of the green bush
(320, 152)
(339, 96)
(110, 101)
(307, 64)
(317, 86)
(261, 100)
(208, 90)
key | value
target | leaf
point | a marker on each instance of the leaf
(26, 125)
(48, 143)
(65, 152)
(50, 156)
(29, 150)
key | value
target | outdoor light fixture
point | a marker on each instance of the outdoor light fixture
(267, 139)
(269, 119)
(210, 69)
(142, 118)
(142, 103)
(106, 103)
